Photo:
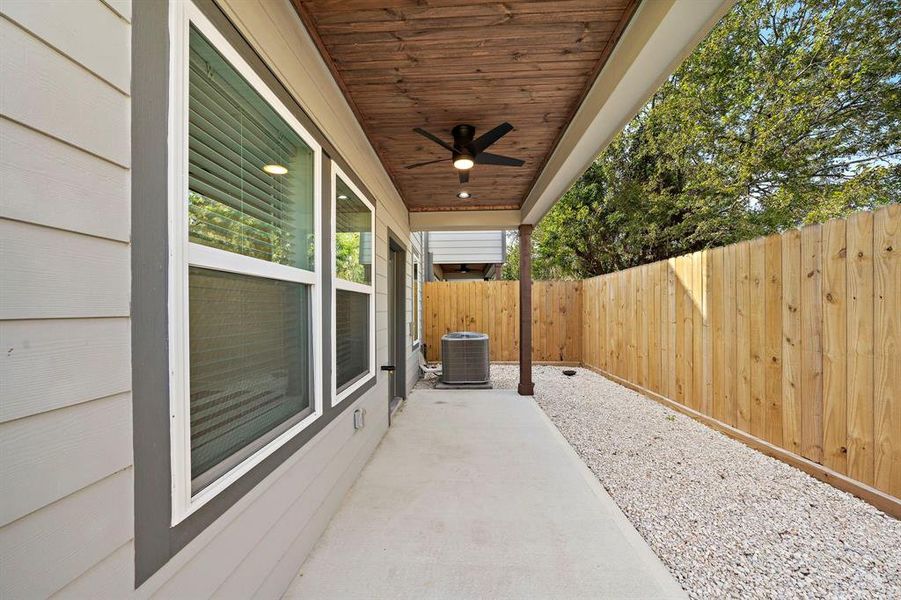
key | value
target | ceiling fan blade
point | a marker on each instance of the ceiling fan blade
(486, 158)
(483, 141)
(434, 138)
(464, 176)
(428, 162)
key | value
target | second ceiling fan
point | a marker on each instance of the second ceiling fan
(466, 151)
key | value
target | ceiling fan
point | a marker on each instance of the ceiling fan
(466, 151)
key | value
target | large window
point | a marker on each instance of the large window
(244, 269)
(354, 309)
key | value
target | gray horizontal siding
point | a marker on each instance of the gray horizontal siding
(72, 195)
(48, 548)
(52, 455)
(53, 274)
(65, 419)
(101, 43)
(110, 579)
(54, 363)
(45, 89)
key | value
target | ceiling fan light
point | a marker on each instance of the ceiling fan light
(463, 195)
(463, 162)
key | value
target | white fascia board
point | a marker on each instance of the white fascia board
(465, 220)
(656, 41)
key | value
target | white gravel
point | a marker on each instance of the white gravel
(728, 521)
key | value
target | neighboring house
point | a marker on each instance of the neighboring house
(211, 284)
(466, 255)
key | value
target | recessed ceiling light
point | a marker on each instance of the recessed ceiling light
(342, 196)
(275, 169)
(463, 195)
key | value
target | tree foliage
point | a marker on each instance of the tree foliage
(788, 113)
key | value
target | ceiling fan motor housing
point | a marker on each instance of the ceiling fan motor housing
(463, 136)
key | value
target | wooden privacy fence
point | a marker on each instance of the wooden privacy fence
(493, 307)
(794, 339)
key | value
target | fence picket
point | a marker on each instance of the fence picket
(887, 348)
(835, 343)
(773, 340)
(792, 382)
(811, 343)
(860, 347)
(757, 320)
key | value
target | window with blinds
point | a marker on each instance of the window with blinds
(251, 174)
(351, 337)
(249, 337)
(354, 313)
(250, 352)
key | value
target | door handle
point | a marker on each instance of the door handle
(389, 368)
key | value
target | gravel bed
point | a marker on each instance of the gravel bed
(728, 521)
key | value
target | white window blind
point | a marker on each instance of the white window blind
(250, 357)
(234, 135)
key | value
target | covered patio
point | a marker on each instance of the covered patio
(542, 86)
(477, 495)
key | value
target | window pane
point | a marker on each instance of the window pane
(235, 140)
(251, 366)
(352, 336)
(415, 301)
(353, 236)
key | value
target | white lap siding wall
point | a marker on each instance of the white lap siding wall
(66, 514)
(65, 406)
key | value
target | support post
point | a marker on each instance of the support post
(526, 387)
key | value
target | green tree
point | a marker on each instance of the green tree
(788, 113)
(347, 256)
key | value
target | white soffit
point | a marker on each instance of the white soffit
(658, 38)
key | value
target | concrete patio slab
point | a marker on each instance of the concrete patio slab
(475, 494)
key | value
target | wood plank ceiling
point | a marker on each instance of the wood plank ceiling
(438, 63)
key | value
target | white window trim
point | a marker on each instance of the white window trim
(183, 254)
(343, 284)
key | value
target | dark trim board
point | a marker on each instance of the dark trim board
(149, 287)
(156, 542)
(400, 311)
